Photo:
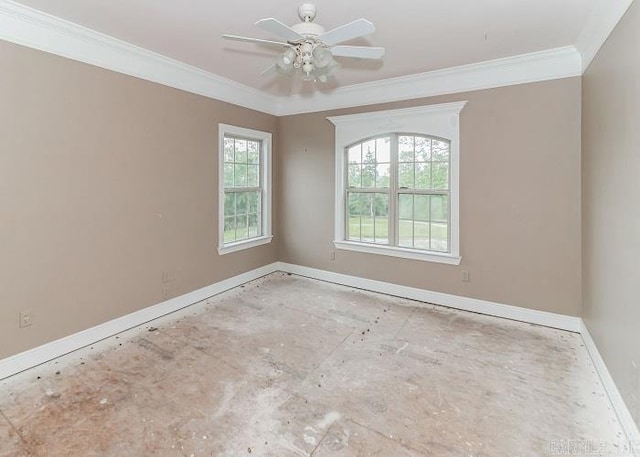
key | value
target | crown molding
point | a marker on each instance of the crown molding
(32, 28)
(525, 68)
(603, 18)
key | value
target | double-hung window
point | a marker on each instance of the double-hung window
(245, 188)
(397, 192)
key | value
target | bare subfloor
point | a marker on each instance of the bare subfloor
(287, 366)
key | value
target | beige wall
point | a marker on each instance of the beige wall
(611, 212)
(106, 182)
(520, 199)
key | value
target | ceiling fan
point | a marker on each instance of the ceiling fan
(309, 49)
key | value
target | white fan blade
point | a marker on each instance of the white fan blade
(269, 70)
(278, 28)
(361, 52)
(254, 40)
(355, 29)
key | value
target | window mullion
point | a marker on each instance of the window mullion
(393, 193)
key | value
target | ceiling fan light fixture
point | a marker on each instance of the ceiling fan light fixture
(289, 56)
(323, 74)
(322, 56)
(284, 64)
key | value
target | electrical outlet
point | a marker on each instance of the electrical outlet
(165, 292)
(165, 277)
(466, 277)
(332, 256)
(26, 319)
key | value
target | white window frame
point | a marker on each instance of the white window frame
(265, 160)
(442, 121)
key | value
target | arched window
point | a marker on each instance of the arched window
(397, 189)
(397, 193)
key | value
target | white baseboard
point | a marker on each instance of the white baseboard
(49, 351)
(624, 415)
(560, 321)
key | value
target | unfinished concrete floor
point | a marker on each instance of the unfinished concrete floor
(288, 366)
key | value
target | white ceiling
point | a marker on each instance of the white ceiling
(419, 35)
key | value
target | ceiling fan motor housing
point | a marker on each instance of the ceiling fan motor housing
(308, 29)
(307, 13)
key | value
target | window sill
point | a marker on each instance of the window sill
(412, 254)
(246, 244)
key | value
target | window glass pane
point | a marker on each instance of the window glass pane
(383, 150)
(421, 233)
(380, 213)
(423, 175)
(405, 223)
(229, 229)
(405, 175)
(439, 237)
(241, 203)
(241, 151)
(240, 173)
(440, 175)
(383, 175)
(382, 230)
(228, 175)
(440, 151)
(405, 149)
(253, 153)
(254, 225)
(423, 149)
(405, 233)
(253, 176)
(356, 203)
(421, 207)
(369, 151)
(242, 228)
(229, 204)
(439, 208)
(355, 154)
(353, 230)
(405, 206)
(361, 203)
(366, 220)
(369, 175)
(253, 202)
(228, 150)
(355, 175)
